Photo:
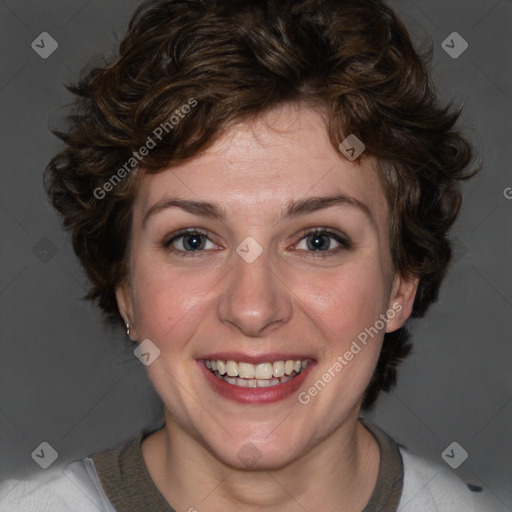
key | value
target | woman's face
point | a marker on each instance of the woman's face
(251, 284)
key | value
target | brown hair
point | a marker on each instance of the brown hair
(229, 60)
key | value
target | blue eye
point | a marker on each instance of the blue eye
(192, 241)
(319, 241)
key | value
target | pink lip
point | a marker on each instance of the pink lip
(253, 395)
(255, 359)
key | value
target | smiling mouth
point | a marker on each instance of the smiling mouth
(263, 375)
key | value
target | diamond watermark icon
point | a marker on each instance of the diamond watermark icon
(454, 45)
(249, 249)
(44, 250)
(45, 455)
(454, 455)
(147, 352)
(351, 147)
(249, 455)
(44, 45)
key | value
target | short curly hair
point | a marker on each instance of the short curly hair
(232, 60)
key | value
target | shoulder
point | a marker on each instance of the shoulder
(73, 486)
(428, 486)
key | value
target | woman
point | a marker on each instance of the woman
(260, 192)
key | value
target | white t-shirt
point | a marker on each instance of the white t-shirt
(76, 487)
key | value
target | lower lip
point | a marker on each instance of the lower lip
(255, 395)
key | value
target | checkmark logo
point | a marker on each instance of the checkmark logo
(454, 45)
(351, 147)
(249, 249)
(454, 455)
(147, 352)
(45, 455)
(249, 455)
(44, 45)
(44, 250)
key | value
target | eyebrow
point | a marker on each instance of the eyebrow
(213, 210)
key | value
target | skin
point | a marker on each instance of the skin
(313, 456)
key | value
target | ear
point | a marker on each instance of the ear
(401, 300)
(125, 305)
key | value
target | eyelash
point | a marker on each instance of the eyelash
(344, 242)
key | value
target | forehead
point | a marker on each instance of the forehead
(258, 166)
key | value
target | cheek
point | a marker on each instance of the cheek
(346, 306)
(166, 302)
(347, 300)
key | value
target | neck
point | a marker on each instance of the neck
(337, 474)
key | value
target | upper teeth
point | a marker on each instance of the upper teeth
(256, 371)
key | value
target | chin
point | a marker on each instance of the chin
(258, 455)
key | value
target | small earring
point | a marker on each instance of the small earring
(127, 329)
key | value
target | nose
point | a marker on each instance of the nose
(255, 299)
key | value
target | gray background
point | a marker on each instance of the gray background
(70, 381)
